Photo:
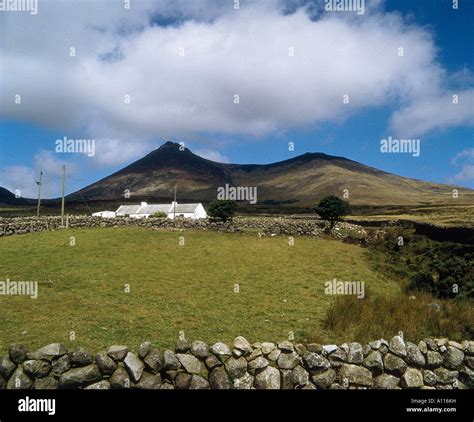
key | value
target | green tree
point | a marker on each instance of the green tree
(160, 214)
(332, 209)
(222, 209)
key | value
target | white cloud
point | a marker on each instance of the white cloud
(212, 155)
(227, 52)
(465, 161)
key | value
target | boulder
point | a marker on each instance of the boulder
(105, 363)
(244, 383)
(101, 385)
(183, 381)
(268, 379)
(288, 360)
(60, 365)
(19, 380)
(200, 349)
(397, 346)
(120, 378)
(117, 352)
(445, 376)
(134, 366)
(80, 357)
(7, 367)
(355, 374)
(170, 361)
(433, 359)
(324, 380)
(453, 357)
(299, 376)
(385, 382)
(18, 353)
(374, 362)
(190, 363)
(219, 379)
(78, 377)
(412, 378)
(149, 381)
(394, 365)
(37, 368)
(221, 349)
(236, 368)
(313, 361)
(199, 383)
(414, 355)
(153, 360)
(355, 353)
(49, 352)
(243, 345)
(429, 377)
(46, 383)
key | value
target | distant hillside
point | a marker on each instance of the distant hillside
(299, 181)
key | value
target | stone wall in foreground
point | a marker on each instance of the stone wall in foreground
(381, 364)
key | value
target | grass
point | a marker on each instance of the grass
(173, 287)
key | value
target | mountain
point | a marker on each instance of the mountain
(8, 198)
(300, 181)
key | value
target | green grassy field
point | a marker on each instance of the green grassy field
(172, 287)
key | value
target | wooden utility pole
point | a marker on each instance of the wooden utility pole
(174, 204)
(39, 195)
(62, 195)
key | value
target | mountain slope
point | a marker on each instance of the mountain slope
(300, 181)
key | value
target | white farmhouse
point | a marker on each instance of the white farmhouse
(104, 214)
(145, 210)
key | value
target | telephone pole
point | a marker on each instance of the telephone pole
(62, 195)
(174, 204)
(39, 194)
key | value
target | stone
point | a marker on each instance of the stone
(61, 365)
(243, 345)
(288, 360)
(49, 352)
(182, 346)
(286, 346)
(329, 348)
(445, 376)
(101, 385)
(37, 368)
(267, 348)
(149, 381)
(397, 346)
(221, 349)
(183, 381)
(412, 378)
(117, 352)
(429, 377)
(374, 362)
(324, 380)
(441, 341)
(299, 376)
(78, 377)
(219, 379)
(285, 380)
(355, 353)
(375, 345)
(134, 366)
(166, 386)
(313, 361)
(170, 361)
(212, 361)
(274, 355)
(236, 368)
(199, 383)
(423, 347)
(244, 383)
(469, 361)
(19, 380)
(337, 357)
(105, 363)
(268, 379)
(190, 363)
(314, 348)
(453, 357)
(430, 344)
(355, 374)
(414, 355)
(46, 383)
(120, 378)
(144, 349)
(258, 363)
(255, 354)
(200, 349)
(236, 353)
(456, 345)
(153, 360)
(385, 382)
(395, 365)
(18, 353)
(300, 349)
(7, 367)
(433, 359)
(80, 357)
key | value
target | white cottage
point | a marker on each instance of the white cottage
(145, 210)
(104, 214)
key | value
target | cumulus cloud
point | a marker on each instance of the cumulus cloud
(212, 155)
(23, 178)
(176, 69)
(464, 160)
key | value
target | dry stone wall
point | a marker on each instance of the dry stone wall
(380, 364)
(266, 226)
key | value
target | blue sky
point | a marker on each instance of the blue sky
(190, 99)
